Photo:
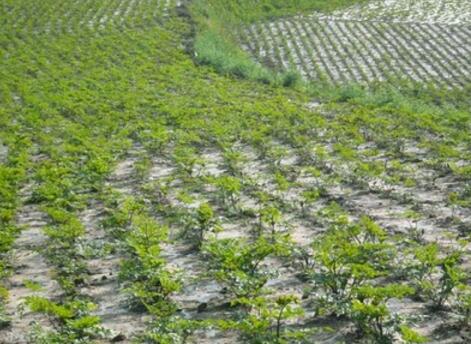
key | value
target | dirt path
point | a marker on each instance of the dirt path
(104, 264)
(32, 276)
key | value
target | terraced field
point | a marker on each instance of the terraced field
(380, 41)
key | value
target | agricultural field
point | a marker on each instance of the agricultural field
(451, 12)
(424, 41)
(148, 197)
(68, 16)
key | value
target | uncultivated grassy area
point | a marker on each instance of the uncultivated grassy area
(148, 199)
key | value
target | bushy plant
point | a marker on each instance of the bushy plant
(229, 188)
(237, 264)
(270, 216)
(370, 313)
(263, 322)
(72, 321)
(347, 257)
(435, 278)
(145, 277)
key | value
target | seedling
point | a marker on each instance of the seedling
(425, 268)
(229, 189)
(370, 313)
(265, 317)
(237, 265)
(309, 197)
(270, 216)
(414, 231)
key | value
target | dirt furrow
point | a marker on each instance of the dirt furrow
(32, 276)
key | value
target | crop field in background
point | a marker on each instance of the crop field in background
(450, 12)
(420, 41)
(70, 15)
(146, 198)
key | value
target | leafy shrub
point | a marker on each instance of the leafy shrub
(347, 257)
(370, 314)
(229, 189)
(73, 324)
(264, 320)
(237, 265)
(435, 278)
(144, 275)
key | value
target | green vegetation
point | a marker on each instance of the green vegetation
(218, 28)
(251, 10)
(195, 204)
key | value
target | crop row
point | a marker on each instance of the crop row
(214, 202)
(425, 11)
(164, 200)
(361, 51)
(70, 16)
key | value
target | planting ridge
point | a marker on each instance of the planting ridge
(347, 47)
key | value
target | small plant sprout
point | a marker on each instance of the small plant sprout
(229, 189)
(264, 321)
(282, 184)
(276, 154)
(237, 264)
(270, 216)
(32, 285)
(370, 313)
(414, 231)
(463, 305)
(410, 336)
(454, 201)
(435, 278)
(206, 221)
(314, 173)
(308, 197)
(186, 158)
(234, 160)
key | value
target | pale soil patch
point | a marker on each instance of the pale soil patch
(102, 284)
(3, 153)
(28, 266)
(428, 11)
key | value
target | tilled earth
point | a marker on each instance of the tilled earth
(420, 41)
